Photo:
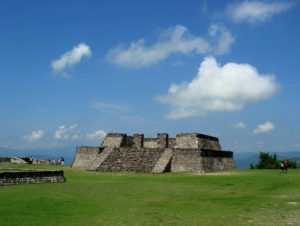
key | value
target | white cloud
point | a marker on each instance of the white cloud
(173, 40)
(96, 135)
(240, 125)
(34, 136)
(63, 132)
(223, 37)
(256, 11)
(72, 127)
(71, 58)
(264, 128)
(218, 88)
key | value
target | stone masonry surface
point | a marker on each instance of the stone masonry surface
(9, 177)
(131, 159)
(85, 156)
(188, 152)
(201, 160)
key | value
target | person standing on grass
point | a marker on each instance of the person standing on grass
(281, 167)
(286, 165)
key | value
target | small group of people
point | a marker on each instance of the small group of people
(284, 166)
(60, 161)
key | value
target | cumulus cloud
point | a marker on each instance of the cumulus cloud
(256, 11)
(96, 135)
(240, 125)
(264, 128)
(63, 132)
(173, 40)
(218, 88)
(71, 58)
(34, 136)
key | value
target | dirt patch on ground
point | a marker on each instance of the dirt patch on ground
(219, 173)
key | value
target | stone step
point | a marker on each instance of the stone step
(163, 162)
(100, 159)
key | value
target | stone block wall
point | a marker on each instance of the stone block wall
(115, 140)
(186, 160)
(31, 177)
(209, 142)
(172, 143)
(85, 155)
(201, 160)
(197, 140)
(187, 140)
(150, 142)
(162, 140)
(138, 140)
(131, 160)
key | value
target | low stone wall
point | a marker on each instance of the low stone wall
(13, 176)
(201, 160)
(85, 155)
(131, 159)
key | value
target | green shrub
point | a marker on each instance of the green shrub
(292, 164)
(266, 161)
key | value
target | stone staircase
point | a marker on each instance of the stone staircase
(163, 162)
(98, 161)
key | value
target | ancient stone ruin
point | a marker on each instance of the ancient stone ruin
(14, 176)
(23, 160)
(188, 152)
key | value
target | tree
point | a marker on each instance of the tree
(267, 161)
(292, 164)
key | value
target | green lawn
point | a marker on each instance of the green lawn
(238, 197)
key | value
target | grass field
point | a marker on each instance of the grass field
(237, 197)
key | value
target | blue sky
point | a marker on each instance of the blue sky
(71, 71)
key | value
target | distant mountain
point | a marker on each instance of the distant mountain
(243, 160)
(68, 153)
